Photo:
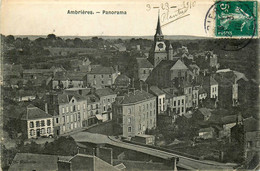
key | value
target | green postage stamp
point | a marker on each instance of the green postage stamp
(236, 19)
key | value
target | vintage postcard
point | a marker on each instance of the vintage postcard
(129, 85)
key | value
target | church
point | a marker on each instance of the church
(161, 50)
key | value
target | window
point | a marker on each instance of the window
(63, 118)
(151, 121)
(71, 108)
(96, 106)
(104, 108)
(129, 129)
(151, 113)
(71, 118)
(67, 109)
(78, 116)
(31, 132)
(109, 76)
(68, 119)
(257, 143)
(84, 106)
(108, 100)
(102, 76)
(129, 120)
(43, 131)
(57, 120)
(63, 110)
(31, 125)
(143, 107)
(102, 82)
(129, 111)
(42, 123)
(48, 122)
(94, 76)
(140, 127)
(78, 107)
(49, 130)
(75, 117)
(144, 72)
(147, 114)
(91, 113)
(174, 103)
(74, 108)
(178, 102)
(160, 101)
(249, 144)
(182, 101)
(147, 106)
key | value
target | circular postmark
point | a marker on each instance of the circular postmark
(229, 19)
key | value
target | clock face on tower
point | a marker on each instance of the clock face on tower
(160, 45)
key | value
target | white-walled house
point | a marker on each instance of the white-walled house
(36, 123)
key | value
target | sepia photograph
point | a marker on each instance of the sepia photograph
(117, 85)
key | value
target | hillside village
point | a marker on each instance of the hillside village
(156, 93)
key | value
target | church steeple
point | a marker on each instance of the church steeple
(158, 35)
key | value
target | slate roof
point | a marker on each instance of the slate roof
(210, 129)
(156, 91)
(229, 119)
(91, 98)
(122, 80)
(60, 76)
(209, 81)
(176, 92)
(34, 71)
(30, 161)
(205, 111)
(143, 63)
(135, 97)
(202, 90)
(102, 70)
(34, 113)
(67, 96)
(76, 76)
(251, 124)
(104, 92)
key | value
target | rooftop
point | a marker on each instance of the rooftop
(102, 70)
(34, 113)
(205, 111)
(229, 119)
(156, 91)
(135, 97)
(104, 92)
(206, 129)
(30, 161)
(143, 63)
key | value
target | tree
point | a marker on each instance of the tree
(9, 39)
(65, 146)
(51, 36)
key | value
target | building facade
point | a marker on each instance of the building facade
(36, 123)
(107, 97)
(135, 112)
(100, 76)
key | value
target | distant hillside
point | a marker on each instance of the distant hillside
(169, 37)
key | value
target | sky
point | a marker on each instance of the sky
(42, 17)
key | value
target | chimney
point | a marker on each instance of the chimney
(46, 107)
